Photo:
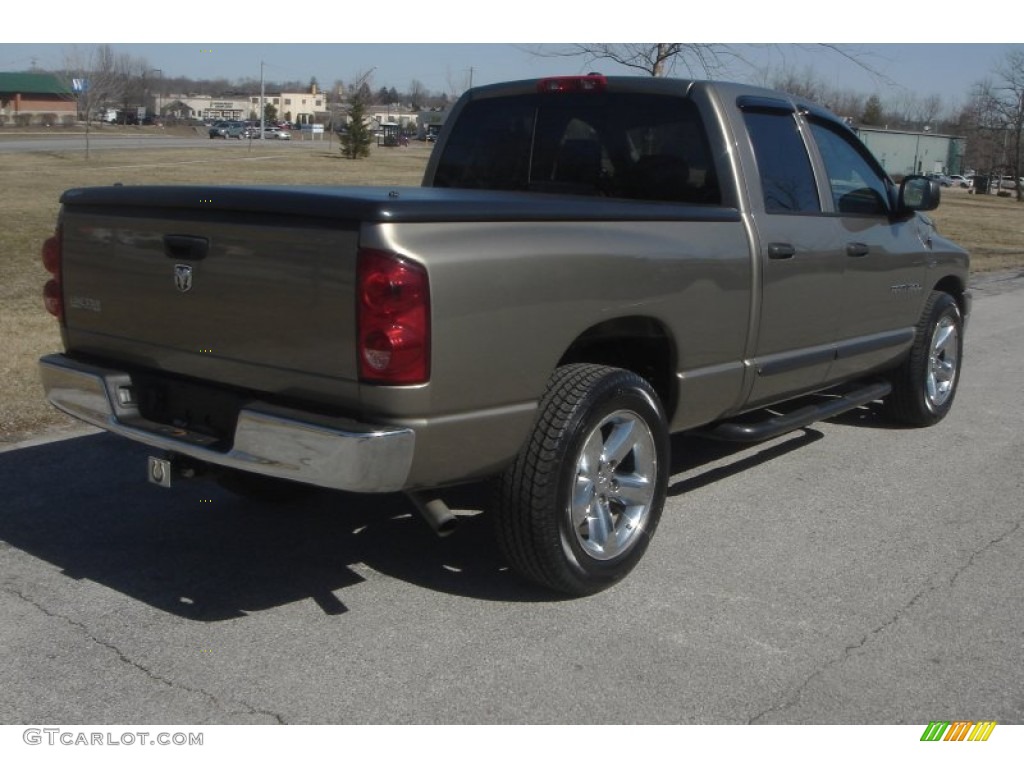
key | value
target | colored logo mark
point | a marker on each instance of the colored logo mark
(958, 730)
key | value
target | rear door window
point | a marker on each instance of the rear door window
(784, 167)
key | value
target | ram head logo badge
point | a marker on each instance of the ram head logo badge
(183, 277)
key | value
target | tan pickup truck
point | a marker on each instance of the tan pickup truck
(590, 265)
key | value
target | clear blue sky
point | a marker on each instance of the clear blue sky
(403, 40)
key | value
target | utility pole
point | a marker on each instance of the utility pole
(263, 104)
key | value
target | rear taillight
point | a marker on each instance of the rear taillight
(393, 319)
(52, 292)
(572, 83)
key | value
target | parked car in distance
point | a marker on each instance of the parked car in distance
(276, 133)
(942, 178)
(963, 182)
(227, 129)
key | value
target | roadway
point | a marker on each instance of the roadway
(100, 141)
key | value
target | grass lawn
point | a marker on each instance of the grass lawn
(31, 184)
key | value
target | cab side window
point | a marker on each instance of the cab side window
(857, 186)
(787, 178)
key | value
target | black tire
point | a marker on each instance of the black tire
(924, 386)
(563, 517)
(262, 488)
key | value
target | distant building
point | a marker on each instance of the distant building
(391, 114)
(429, 122)
(905, 152)
(299, 108)
(296, 108)
(197, 107)
(34, 98)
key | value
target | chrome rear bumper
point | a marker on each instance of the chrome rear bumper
(269, 440)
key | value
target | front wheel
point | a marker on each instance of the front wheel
(924, 386)
(579, 505)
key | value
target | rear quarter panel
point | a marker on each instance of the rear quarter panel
(508, 300)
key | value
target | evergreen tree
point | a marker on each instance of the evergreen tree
(872, 112)
(356, 143)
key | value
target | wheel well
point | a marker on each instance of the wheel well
(638, 344)
(952, 285)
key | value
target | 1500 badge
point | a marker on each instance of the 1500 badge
(906, 288)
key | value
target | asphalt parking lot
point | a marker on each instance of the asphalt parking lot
(846, 573)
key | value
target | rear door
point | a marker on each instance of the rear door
(801, 262)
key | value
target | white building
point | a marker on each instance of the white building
(293, 107)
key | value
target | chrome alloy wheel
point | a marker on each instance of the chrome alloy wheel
(943, 359)
(614, 486)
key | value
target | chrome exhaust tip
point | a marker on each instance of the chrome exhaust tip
(437, 514)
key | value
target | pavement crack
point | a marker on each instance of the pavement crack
(126, 660)
(794, 698)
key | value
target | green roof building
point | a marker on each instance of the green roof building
(34, 97)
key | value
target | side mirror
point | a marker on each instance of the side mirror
(919, 193)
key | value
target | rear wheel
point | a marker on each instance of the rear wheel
(924, 386)
(579, 505)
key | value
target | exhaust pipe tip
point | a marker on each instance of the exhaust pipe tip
(437, 514)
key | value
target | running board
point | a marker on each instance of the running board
(737, 432)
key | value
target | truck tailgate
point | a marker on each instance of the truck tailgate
(245, 298)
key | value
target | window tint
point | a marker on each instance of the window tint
(619, 145)
(857, 187)
(787, 178)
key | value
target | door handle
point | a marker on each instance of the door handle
(857, 249)
(781, 251)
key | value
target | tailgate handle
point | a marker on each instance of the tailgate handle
(857, 249)
(187, 247)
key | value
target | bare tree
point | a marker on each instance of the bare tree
(131, 75)
(1002, 99)
(458, 82)
(97, 72)
(655, 59)
(708, 60)
(805, 83)
(417, 94)
(982, 125)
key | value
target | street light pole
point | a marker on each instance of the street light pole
(156, 99)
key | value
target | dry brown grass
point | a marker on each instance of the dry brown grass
(31, 183)
(990, 227)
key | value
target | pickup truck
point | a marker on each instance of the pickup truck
(590, 265)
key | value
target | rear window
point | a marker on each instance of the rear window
(634, 146)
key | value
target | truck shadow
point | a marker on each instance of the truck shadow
(202, 553)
